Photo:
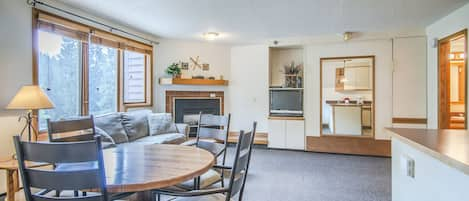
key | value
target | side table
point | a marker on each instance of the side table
(10, 165)
(12, 179)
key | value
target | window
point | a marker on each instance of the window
(103, 83)
(134, 77)
(59, 75)
(85, 70)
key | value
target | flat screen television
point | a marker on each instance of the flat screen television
(285, 102)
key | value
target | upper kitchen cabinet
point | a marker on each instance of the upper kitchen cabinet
(352, 74)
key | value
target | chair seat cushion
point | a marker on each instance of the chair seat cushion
(214, 197)
(206, 180)
(170, 138)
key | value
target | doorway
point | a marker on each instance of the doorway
(452, 79)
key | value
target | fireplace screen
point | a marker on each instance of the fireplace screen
(187, 111)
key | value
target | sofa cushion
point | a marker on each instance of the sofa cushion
(161, 123)
(136, 123)
(169, 138)
(111, 124)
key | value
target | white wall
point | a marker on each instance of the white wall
(454, 22)
(382, 49)
(249, 87)
(169, 51)
(433, 180)
(15, 69)
(410, 80)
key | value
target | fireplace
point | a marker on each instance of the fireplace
(186, 110)
(185, 106)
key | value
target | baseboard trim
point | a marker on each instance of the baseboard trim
(347, 145)
(399, 120)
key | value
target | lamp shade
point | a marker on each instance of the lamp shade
(30, 97)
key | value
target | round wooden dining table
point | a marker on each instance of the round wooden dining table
(140, 168)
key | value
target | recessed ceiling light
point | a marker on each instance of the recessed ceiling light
(211, 35)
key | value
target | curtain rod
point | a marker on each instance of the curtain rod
(34, 2)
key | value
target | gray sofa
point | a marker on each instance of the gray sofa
(140, 126)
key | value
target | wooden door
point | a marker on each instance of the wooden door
(444, 84)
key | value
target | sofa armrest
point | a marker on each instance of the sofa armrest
(183, 129)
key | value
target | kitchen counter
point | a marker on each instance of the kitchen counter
(429, 164)
(349, 105)
(448, 146)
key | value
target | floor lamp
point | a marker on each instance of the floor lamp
(30, 97)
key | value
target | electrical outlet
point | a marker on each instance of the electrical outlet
(411, 168)
(408, 166)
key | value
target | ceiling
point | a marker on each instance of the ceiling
(248, 21)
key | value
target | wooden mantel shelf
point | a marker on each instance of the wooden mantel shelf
(180, 81)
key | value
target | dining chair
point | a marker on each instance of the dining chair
(237, 179)
(83, 127)
(212, 135)
(80, 129)
(73, 179)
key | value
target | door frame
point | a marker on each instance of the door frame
(444, 40)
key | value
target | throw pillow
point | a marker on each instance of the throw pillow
(161, 123)
(105, 137)
(111, 124)
(136, 123)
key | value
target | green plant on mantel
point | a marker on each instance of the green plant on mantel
(173, 70)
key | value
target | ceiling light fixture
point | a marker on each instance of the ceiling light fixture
(347, 36)
(211, 35)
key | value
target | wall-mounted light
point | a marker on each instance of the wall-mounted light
(210, 35)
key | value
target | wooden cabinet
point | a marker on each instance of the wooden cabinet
(276, 137)
(286, 134)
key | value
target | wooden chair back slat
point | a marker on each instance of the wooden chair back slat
(212, 133)
(214, 120)
(62, 152)
(63, 180)
(75, 138)
(83, 124)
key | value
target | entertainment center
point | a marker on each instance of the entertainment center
(286, 95)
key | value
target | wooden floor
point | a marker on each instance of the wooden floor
(259, 139)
